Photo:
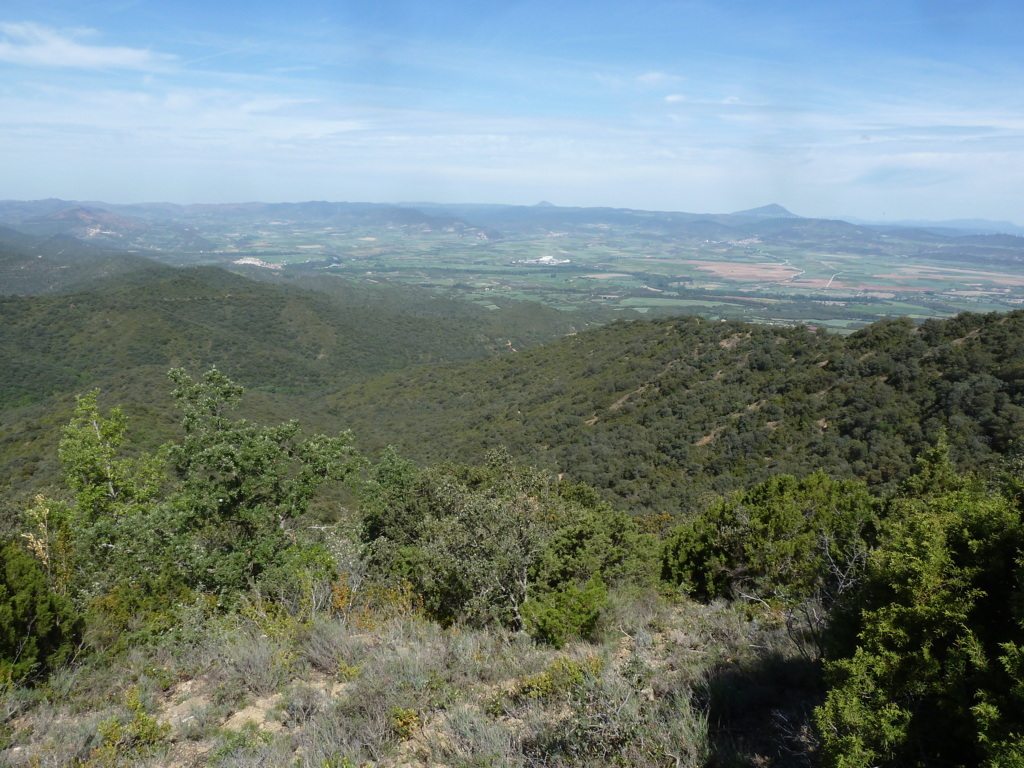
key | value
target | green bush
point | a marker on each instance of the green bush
(139, 541)
(127, 741)
(39, 630)
(572, 612)
(241, 483)
(926, 662)
(561, 679)
(477, 542)
(302, 580)
(788, 538)
(130, 614)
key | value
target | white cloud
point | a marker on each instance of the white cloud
(656, 78)
(34, 45)
(305, 124)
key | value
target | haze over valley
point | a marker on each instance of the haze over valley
(764, 265)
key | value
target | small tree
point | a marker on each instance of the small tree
(104, 485)
(138, 540)
(102, 531)
(240, 485)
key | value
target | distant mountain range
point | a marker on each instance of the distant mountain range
(177, 228)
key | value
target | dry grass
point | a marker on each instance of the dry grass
(666, 683)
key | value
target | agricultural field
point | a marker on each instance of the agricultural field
(766, 265)
(758, 282)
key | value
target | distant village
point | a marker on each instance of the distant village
(546, 261)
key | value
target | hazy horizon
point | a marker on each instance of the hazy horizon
(905, 110)
(852, 218)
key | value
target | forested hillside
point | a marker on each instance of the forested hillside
(121, 334)
(268, 336)
(35, 265)
(654, 414)
(658, 413)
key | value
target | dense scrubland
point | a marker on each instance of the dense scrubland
(666, 542)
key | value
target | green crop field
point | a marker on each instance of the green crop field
(827, 286)
(790, 270)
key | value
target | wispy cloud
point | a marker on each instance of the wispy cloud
(656, 78)
(33, 45)
(706, 108)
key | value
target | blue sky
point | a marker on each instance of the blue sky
(877, 110)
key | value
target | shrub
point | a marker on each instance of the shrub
(926, 663)
(126, 741)
(608, 719)
(785, 537)
(38, 629)
(560, 679)
(302, 581)
(477, 542)
(240, 483)
(256, 663)
(558, 616)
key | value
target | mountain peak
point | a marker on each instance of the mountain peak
(773, 211)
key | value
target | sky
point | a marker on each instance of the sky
(883, 111)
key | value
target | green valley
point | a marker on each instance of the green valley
(766, 265)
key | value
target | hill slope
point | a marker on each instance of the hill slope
(658, 413)
(47, 265)
(286, 345)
